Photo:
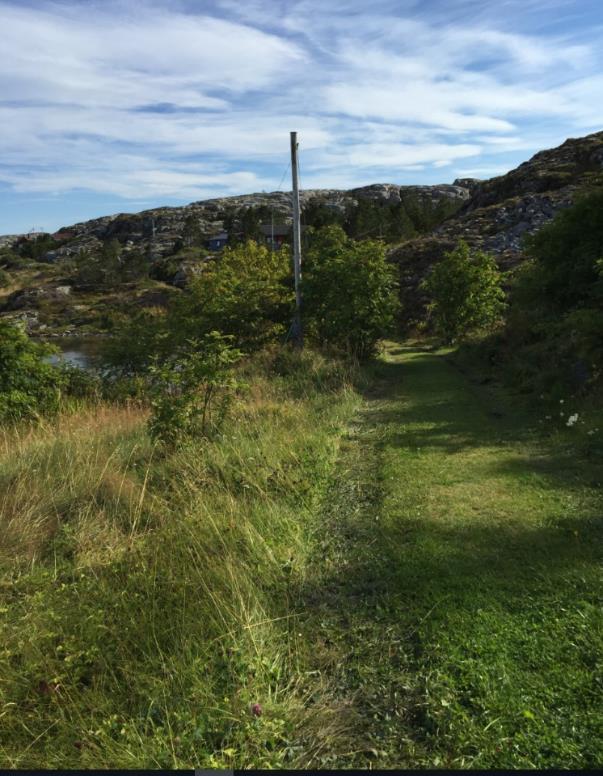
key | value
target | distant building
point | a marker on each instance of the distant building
(218, 241)
(276, 235)
(63, 234)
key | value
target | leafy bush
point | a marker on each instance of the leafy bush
(568, 254)
(192, 390)
(349, 292)
(466, 294)
(10, 259)
(79, 383)
(36, 247)
(5, 278)
(29, 385)
(246, 293)
(552, 343)
(137, 341)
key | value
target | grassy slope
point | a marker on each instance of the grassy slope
(438, 605)
(145, 602)
(457, 601)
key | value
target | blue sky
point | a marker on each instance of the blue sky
(120, 106)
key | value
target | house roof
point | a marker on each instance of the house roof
(279, 230)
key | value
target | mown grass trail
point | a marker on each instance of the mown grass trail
(455, 605)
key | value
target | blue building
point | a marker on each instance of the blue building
(218, 241)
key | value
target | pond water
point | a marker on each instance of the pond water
(77, 351)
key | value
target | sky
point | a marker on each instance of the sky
(121, 106)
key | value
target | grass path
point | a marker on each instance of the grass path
(455, 605)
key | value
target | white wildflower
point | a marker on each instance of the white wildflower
(572, 419)
(561, 401)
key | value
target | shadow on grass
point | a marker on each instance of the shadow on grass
(391, 588)
(420, 403)
(424, 403)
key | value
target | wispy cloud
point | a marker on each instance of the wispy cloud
(178, 100)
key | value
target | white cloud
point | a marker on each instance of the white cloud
(160, 99)
(83, 55)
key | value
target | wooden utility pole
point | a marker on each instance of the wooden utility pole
(298, 333)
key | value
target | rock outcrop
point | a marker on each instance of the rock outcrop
(500, 212)
(157, 232)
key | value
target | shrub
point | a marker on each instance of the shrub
(349, 292)
(192, 390)
(29, 385)
(466, 294)
(246, 293)
(79, 383)
(567, 254)
(136, 342)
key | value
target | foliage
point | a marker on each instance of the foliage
(568, 253)
(136, 341)
(192, 389)
(165, 268)
(151, 598)
(11, 259)
(29, 385)
(79, 383)
(244, 293)
(552, 344)
(36, 247)
(243, 224)
(192, 234)
(110, 266)
(466, 294)
(5, 278)
(349, 292)
(317, 213)
(396, 221)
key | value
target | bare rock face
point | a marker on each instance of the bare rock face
(500, 212)
(156, 232)
(187, 272)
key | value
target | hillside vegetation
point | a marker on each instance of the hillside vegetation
(225, 551)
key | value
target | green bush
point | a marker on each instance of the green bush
(466, 293)
(192, 390)
(568, 253)
(29, 385)
(552, 342)
(245, 293)
(10, 259)
(349, 292)
(79, 383)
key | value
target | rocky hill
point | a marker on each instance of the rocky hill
(494, 215)
(502, 210)
(48, 293)
(159, 231)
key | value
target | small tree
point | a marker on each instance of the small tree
(466, 294)
(192, 390)
(349, 291)
(245, 293)
(29, 385)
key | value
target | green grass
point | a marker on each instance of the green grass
(145, 602)
(459, 597)
(402, 575)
